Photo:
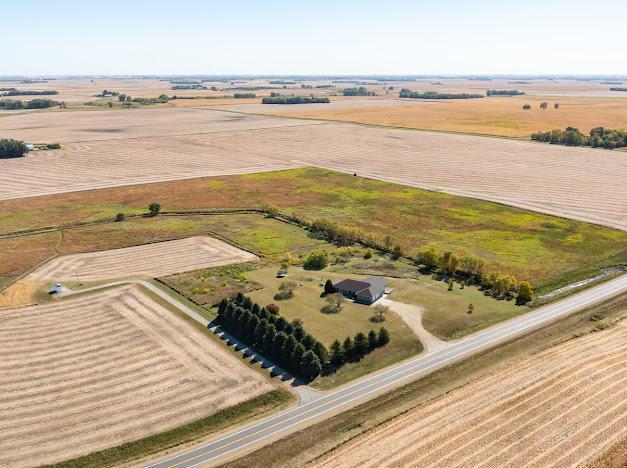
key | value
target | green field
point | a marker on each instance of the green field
(547, 250)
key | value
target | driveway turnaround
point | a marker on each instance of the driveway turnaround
(296, 418)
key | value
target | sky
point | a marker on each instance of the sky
(391, 37)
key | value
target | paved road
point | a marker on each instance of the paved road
(212, 452)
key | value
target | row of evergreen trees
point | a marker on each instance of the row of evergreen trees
(352, 350)
(288, 345)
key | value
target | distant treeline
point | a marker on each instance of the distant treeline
(250, 88)
(504, 92)
(408, 93)
(611, 82)
(20, 92)
(185, 82)
(361, 91)
(162, 99)
(295, 100)
(599, 137)
(618, 89)
(11, 104)
(281, 82)
(244, 95)
(519, 82)
(188, 86)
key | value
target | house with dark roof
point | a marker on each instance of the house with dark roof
(364, 291)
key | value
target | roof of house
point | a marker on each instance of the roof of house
(369, 288)
(352, 285)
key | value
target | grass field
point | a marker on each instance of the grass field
(501, 116)
(311, 443)
(353, 318)
(446, 312)
(546, 250)
(255, 233)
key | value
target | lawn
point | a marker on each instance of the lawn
(446, 311)
(546, 250)
(353, 318)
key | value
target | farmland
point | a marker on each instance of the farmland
(104, 369)
(560, 407)
(500, 116)
(546, 250)
(148, 260)
(210, 143)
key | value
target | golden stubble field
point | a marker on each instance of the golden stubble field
(144, 146)
(562, 407)
(150, 260)
(80, 375)
(501, 116)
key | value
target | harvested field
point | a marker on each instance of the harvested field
(158, 259)
(502, 116)
(561, 407)
(94, 372)
(528, 175)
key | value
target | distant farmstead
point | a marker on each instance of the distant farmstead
(364, 291)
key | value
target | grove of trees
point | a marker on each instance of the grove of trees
(408, 93)
(470, 270)
(20, 92)
(295, 100)
(11, 104)
(504, 92)
(360, 91)
(598, 137)
(10, 148)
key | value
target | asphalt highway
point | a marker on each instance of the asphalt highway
(331, 403)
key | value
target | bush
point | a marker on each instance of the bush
(328, 287)
(53, 146)
(397, 252)
(525, 292)
(368, 254)
(273, 309)
(12, 148)
(317, 260)
(154, 209)
(119, 217)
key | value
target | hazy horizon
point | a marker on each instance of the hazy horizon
(276, 37)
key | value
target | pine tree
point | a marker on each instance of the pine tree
(277, 345)
(222, 308)
(384, 336)
(260, 332)
(328, 287)
(360, 344)
(322, 353)
(337, 354)
(296, 358)
(373, 340)
(310, 366)
(239, 299)
(347, 348)
(286, 351)
(280, 324)
(247, 303)
(308, 341)
(256, 309)
(298, 332)
(268, 340)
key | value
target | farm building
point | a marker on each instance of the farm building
(366, 292)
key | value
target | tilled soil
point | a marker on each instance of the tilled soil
(562, 407)
(81, 375)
